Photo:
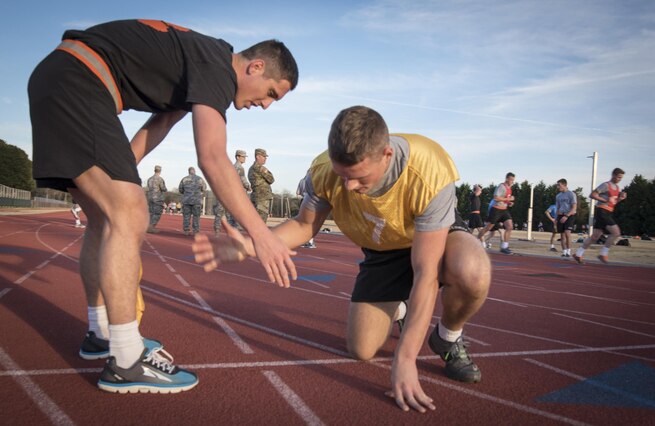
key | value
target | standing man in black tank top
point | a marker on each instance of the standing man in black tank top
(75, 95)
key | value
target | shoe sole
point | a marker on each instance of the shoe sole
(143, 388)
(93, 356)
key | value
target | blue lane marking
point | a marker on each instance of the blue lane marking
(15, 250)
(495, 263)
(320, 278)
(562, 265)
(630, 385)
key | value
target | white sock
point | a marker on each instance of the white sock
(401, 312)
(552, 246)
(503, 245)
(580, 252)
(125, 343)
(448, 335)
(604, 251)
(98, 321)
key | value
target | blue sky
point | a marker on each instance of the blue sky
(532, 87)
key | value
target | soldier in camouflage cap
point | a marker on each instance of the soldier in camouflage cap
(260, 180)
(219, 211)
(156, 191)
(192, 189)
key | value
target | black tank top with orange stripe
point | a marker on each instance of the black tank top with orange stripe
(161, 67)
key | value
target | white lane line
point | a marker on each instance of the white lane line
(238, 341)
(625, 330)
(292, 398)
(553, 308)
(201, 301)
(642, 401)
(229, 331)
(43, 264)
(182, 280)
(24, 277)
(507, 301)
(57, 252)
(511, 404)
(55, 255)
(315, 283)
(249, 323)
(40, 398)
(309, 362)
(545, 339)
(4, 291)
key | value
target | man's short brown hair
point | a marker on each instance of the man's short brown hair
(617, 171)
(280, 64)
(356, 133)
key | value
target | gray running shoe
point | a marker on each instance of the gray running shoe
(153, 373)
(459, 365)
(94, 347)
(506, 251)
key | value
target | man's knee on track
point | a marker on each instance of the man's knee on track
(361, 353)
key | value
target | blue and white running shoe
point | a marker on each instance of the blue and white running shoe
(153, 373)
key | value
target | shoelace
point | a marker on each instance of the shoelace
(458, 350)
(161, 359)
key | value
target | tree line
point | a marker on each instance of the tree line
(635, 215)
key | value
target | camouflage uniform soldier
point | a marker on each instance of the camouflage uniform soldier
(240, 158)
(260, 180)
(156, 191)
(218, 209)
(192, 189)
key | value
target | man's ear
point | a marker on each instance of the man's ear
(256, 67)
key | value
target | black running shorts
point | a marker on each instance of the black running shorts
(74, 125)
(498, 215)
(475, 221)
(603, 218)
(566, 226)
(387, 276)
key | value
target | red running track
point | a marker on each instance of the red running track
(557, 343)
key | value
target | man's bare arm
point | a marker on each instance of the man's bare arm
(211, 138)
(153, 132)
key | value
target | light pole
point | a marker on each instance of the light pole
(530, 213)
(592, 202)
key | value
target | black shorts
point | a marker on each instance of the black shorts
(566, 226)
(498, 215)
(603, 218)
(387, 276)
(74, 125)
(475, 221)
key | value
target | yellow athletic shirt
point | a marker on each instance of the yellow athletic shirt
(386, 222)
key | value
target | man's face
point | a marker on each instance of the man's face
(617, 178)
(260, 159)
(241, 158)
(561, 187)
(365, 175)
(255, 90)
(510, 180)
